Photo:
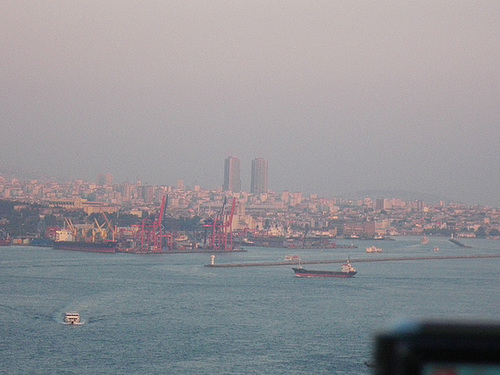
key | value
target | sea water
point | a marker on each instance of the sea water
(168, 314)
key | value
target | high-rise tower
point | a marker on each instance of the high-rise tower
(232, 181)
(104, 179)
(259, 176)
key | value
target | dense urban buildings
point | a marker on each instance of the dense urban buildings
(232, 180)
(275, 213)
(259, 176)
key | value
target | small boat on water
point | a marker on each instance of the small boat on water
(373, 249)
(292, 258)
(346, 271)
(424, 241)
(72, 318)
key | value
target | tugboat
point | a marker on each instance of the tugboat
(72, 318)
(346, 271)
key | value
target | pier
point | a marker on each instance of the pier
(363, 260)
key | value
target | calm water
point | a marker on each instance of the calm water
(168, 314)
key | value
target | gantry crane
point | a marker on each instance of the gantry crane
(150, 234)
(221, 229)
(111, 228)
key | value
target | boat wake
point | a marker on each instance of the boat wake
(74, 324)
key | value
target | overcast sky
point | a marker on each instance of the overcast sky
(338, 96)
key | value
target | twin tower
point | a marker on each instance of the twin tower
(232, 180)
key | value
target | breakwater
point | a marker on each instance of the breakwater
(361, 260)
(457, 242)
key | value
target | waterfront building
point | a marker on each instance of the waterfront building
(259, 176)
(232, 181)
(364, 229)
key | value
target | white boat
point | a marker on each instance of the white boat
(72, 318)
(291, 258)
(373, 249)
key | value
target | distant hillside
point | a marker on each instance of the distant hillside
(21, 174)
(401, 194)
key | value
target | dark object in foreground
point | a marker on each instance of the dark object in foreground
(444, 348)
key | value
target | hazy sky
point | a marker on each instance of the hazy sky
(338, 96)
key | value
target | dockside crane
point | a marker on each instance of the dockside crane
(99, 233)
(221, 229)
(71, 227)
(112, 228)
(151, 235)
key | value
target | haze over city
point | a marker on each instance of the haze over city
(337, 96)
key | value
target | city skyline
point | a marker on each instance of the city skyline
(338, 97)
(107, 180)
(408, 195)
(366, 217)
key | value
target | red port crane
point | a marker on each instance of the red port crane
(221, 229)
(150, 234)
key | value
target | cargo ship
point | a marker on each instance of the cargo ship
(42, 242)
(95, 247)
(346, 271)
(66, 240)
